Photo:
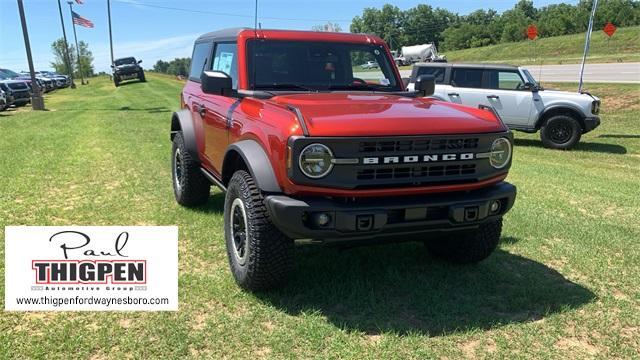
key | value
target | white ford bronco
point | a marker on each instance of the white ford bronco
(561, 116)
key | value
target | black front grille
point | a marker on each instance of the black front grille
(416, 172)
(418, 145)
(391, 162)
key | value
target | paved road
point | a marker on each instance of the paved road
(614, 72)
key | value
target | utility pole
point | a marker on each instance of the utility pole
(37, 102)
(76, 37)
(67, 60)
(110, 37)
(587, 42)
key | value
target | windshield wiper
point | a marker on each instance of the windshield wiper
(356, 87)
(284, 86)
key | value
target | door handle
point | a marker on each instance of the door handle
(200, 109)
(453, 94)
(493, 97)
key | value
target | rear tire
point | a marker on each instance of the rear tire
(560, 132)
(469, 246)
(190, 187)
(260, 256)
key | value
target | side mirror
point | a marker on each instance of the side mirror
(215, 83)
(426, 84)
(139, 61)
(531, 87)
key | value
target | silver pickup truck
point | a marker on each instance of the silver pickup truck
(560, 116)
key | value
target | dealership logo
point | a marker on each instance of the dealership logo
(119, 271)
(412, 159)
(92, 268)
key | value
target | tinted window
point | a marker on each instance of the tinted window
(226, 60)
(505, 80)
(118, 62)
(201, 52)
(298, 65)
(471, 78)
(437, 72)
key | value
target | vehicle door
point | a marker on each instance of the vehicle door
(193, 96)
(218, 109)
(466, 87)
(507, 93)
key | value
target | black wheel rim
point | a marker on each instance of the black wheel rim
(178, 169)
(561, 132)
(238, 219)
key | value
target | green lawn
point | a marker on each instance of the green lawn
(563, 283)
(623, 46)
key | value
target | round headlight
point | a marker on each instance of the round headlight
(315, 161)
(500, 153)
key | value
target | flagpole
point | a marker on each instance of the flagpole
(586, 43)
(67, 60)
(110, 37)
(76, 37)
(37, 102)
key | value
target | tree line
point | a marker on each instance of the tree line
(177, 66)
(451, 31)
(60, 65)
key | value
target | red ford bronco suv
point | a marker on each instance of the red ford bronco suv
(308, 146)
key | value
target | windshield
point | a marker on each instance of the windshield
(530, 78)
(313, 66)
(9, 73)
(125, 61)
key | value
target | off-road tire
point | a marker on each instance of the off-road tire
(141, 77)
(560, 132)
(469, 246)
(193, 188)
(268, 256)
(116, 80)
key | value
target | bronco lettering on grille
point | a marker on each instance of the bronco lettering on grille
(416, 158)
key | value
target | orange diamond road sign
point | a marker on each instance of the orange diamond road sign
(609, 29)
(532, 32)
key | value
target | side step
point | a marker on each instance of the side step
(213, 179)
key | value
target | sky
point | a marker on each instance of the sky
(166, 32)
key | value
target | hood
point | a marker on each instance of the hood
(375, 114)
(568, 95)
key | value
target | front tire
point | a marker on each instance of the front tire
(116, 80)
(469, 246)
(260, 256)
(560, 132)
(190, 187)
(141, 77)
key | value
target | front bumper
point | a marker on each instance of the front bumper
(590, 123)
(388, 217)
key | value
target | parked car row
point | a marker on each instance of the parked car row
(17, 88)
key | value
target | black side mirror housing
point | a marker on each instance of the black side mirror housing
(426, 84)
(215, 83)
(532, 87)
(139, 61)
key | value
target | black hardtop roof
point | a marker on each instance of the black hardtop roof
(468, 65)
(125, 57)
(224, 34)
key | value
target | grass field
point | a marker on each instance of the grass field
(563, 283)
(623, 46)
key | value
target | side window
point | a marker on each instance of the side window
(470, 78)
(509, 80)
(226, 60)
(201, 53)
(437, 72)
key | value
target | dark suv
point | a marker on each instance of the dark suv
(126, 69)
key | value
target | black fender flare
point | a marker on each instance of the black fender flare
(181, 121)
(560, 107)
(257, 162)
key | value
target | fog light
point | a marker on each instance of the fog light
(322, 219)
(495, 206)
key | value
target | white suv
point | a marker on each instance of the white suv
(561, 116)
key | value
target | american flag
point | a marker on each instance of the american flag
(79, 20)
